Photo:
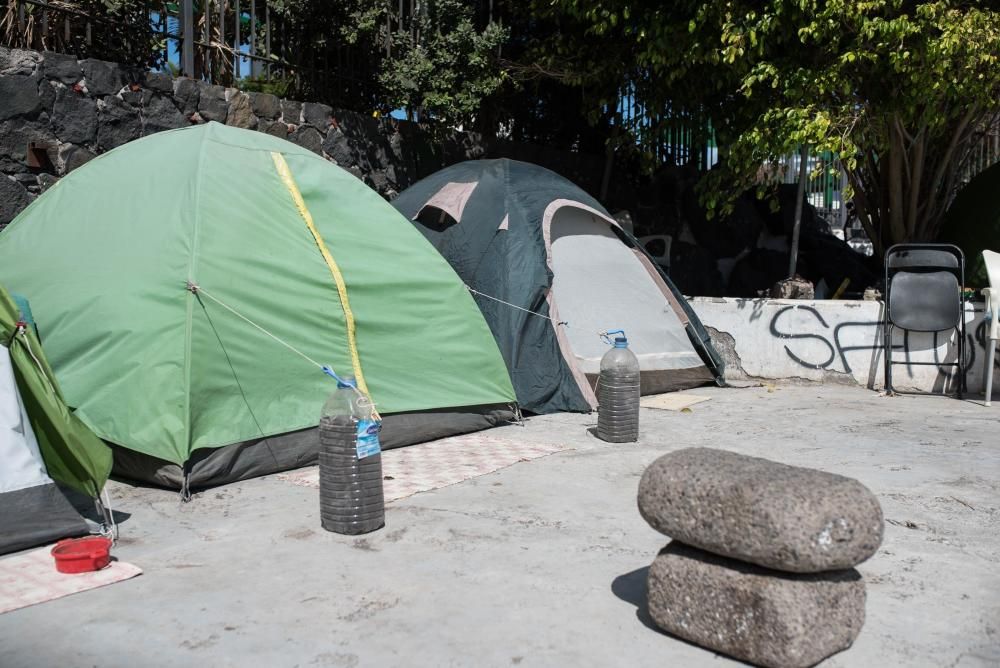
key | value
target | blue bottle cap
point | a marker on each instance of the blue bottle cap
(621, 342)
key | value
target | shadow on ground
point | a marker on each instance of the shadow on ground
(631, 588)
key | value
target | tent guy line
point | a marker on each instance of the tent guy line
(519, 308)
(197, 290)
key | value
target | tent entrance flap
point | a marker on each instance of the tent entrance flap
(599, 285)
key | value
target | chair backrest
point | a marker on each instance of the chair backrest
(992, 262)
(924, 286)
(920, 258)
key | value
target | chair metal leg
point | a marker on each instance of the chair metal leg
(991, 347)
(961, 360)
(965, 343)
(887, 351)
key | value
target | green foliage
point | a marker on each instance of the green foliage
(900, 90)
(280, 86)
(441, 66)
(438, 63)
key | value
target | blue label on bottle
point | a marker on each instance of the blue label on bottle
(368, 444)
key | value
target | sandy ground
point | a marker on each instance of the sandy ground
(542, 563)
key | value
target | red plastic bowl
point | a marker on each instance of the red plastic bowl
(82, 555)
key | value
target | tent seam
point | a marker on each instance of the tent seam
(285, 174)
(189, 317)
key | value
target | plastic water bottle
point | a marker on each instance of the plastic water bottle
(618, 392)
(351, 500)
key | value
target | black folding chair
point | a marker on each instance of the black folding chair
(923, 293)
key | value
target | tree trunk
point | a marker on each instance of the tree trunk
(894, 184)
(914, 222)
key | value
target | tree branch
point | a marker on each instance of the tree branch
(955, 141)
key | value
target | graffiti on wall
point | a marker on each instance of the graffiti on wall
(831, 342)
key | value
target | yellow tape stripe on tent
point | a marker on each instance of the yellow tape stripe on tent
(286, 177)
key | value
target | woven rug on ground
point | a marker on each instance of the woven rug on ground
(427, 466)
(30, 578)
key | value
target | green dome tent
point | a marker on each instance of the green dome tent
(198, 387)
(532, 243)
(46, 454)
(973, 223)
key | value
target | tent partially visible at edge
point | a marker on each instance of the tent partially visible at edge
(47, 456)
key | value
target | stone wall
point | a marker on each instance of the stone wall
(56, 113)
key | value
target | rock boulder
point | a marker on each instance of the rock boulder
(782, 517)
(751, 613)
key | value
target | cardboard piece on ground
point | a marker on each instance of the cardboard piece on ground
(30, 578)
(672, 401)
(447, 461)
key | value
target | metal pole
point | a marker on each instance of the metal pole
(238, 14)
(206, 58)
(187, 43)
(163, 30)
(222, 37)
(267, 37)
(803, 177)
(253, 37)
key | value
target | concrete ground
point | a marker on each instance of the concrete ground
(542, 563)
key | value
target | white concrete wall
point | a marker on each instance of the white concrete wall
(828, 340)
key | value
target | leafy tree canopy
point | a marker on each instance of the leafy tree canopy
(441, 65)
(438, 62)
(900, 90)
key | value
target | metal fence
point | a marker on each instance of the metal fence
(228, 42)
(825, 187)
(671, 135)
(217, 40)
(83, 28)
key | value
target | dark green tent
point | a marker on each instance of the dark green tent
(531, 243)
(46, 454)
(973, 223)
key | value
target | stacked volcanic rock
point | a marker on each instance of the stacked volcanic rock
(761, 562)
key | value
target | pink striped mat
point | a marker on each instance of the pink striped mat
(427, 466)
(31, 578)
